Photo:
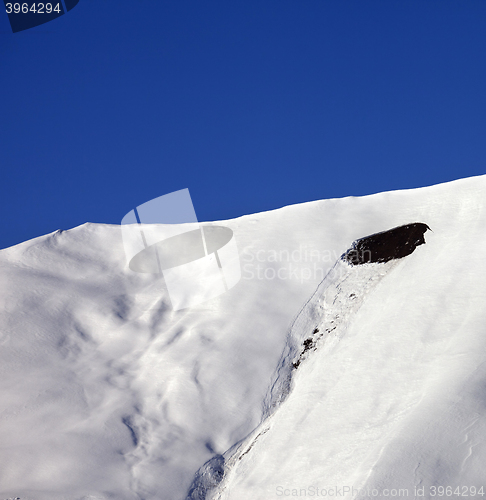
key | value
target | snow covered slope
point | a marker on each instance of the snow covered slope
(106, 392)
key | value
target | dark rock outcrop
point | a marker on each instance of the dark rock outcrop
(387, 245)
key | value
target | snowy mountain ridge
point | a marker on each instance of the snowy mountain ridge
(109, 393)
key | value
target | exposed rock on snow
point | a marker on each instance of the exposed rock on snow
(395, 243)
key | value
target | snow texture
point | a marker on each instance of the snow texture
(107, 393)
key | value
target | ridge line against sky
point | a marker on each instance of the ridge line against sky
(251, 105)
(465, 180)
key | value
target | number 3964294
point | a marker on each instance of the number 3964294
(39, 8)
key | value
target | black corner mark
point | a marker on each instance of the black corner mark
(70, 4)
(27, 14)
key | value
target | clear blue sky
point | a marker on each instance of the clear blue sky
(251, 104)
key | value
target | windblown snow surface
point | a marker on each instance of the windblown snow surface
(310, 378)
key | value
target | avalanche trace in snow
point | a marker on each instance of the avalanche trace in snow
(320, 324)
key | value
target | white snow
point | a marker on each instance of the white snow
(106, 392)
